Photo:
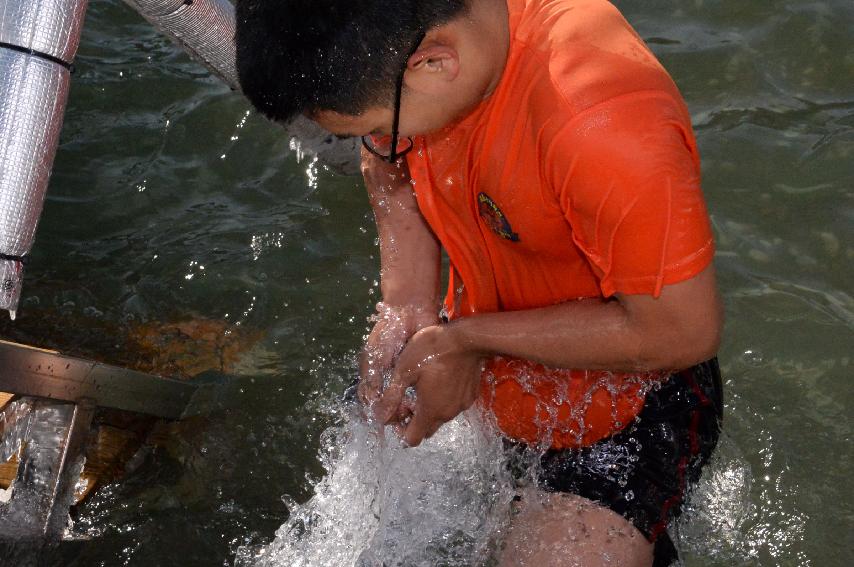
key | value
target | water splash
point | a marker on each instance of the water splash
(738, 517)
(716, 511)
(448, 501)
(382, 504)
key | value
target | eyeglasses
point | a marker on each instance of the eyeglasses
(397, 147)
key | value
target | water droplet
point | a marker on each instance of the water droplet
(753, 357)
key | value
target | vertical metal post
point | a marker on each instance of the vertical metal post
(50, 464)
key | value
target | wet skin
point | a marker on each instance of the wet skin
(770, 85)
(565, 530)
(456, 67)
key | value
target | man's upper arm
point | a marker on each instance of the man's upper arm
(628, 181)
(629, 185)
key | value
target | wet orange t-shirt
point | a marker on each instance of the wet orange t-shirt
(578, 177)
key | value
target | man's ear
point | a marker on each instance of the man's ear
(431, 68)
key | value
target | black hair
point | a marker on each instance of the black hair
(302, 56)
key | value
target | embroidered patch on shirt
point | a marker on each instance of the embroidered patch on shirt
(494, 218)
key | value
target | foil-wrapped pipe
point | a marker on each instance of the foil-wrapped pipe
(38, 41)
(47, 27)
(205, 30)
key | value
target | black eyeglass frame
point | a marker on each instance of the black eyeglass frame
(394, 155)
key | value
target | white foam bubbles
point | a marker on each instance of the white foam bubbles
(382, 504)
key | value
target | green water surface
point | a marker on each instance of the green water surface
(170, 200)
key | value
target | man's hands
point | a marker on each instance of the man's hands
(394, 326)
(445, 374)
(408, 349)
(406, 345)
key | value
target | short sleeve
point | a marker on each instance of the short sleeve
(627, 176)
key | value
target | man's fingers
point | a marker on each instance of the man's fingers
(386, 407)
(417, 429)
(373, 364)
(391, 398)
(404, 412)
(431, 431)
(368, 393)
(370, 381)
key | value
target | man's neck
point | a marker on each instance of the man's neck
(494, 17)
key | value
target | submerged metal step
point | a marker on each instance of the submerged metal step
(29, 371)
(55, 399)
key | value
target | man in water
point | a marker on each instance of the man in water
(541, 145)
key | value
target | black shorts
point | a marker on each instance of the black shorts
(643, 472)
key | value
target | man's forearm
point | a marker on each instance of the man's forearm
(410, 255)
(410, 261)
(586, 334)
(639, 334)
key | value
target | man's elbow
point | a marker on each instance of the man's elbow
(685, 346)
(697, 347)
